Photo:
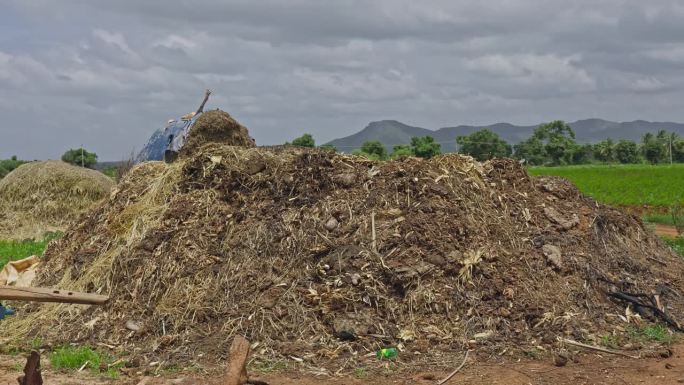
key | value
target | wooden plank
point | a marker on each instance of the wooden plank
(38, 294)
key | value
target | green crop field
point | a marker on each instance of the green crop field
(15, 250)
(625, 185)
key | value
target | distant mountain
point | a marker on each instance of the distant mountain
(392, 132)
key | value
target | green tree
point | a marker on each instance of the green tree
(425, 147)
(401, 150)
(627, 151)
(604, 151)
(8, 165)
(483, 145)
(80, 157)
(328, 147)
(373, 149)
(653, 147)
(552, 143)
(305, 140)
(583, 153)
(678, 150)
(531, 150)
(560, 141)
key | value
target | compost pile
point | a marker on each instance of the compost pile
(216, 126)
(39, 197)
(324, 258)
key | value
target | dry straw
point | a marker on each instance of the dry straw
(277, 244)
(47, 196)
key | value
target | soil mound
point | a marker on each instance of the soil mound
(47, 196)
(216, 126)
(326, 258)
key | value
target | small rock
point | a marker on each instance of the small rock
(331, 224)
(395, 212)
(483, 335)
(346, 180)
(553, 255)
(355, 278)
(428, 376)
(254, 167)
(669, 366)
(345, 335)
(555, 216)
(132, 363)
(560, 359)
(437, 260)
(133, 326)
(439, 189)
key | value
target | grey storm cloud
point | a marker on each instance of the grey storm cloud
(105, 74)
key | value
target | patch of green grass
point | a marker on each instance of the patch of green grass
(360, 373)
(677, 244)
(653, 333)
(14, 250)
(269, 366)
(75, 357)
(36, 343)
(110, 172)
(609, 341)
(626, 185)
(665, 219)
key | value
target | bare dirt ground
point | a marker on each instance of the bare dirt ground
(666, 230)
(586, 369)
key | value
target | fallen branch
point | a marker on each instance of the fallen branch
(596, 348)
(633, 299)
(447, 378)
(375, 248)
(657, 260)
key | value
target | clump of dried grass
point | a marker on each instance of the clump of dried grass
(46, 196)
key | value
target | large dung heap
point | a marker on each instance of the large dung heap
(47, 196)
(327, 257)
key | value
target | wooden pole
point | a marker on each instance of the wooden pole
(206, 97)
(38, 294)
(32, 374)
(236, 373)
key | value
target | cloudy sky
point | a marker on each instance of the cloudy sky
(106, 74)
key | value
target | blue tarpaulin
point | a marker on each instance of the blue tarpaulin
(171, 137)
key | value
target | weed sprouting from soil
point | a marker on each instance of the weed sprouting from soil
(609, 341)
(269, 366)
(652, 333)
(677, 244)
(76, 357)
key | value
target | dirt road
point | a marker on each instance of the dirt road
(586, 369)
(666, 230)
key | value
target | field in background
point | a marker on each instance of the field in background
(15, 250)
(658, 186)
(645, 189)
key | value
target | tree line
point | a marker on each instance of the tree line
(551, 144)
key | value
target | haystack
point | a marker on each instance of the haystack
(47, 196)
(216, 126)
(326, 258)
